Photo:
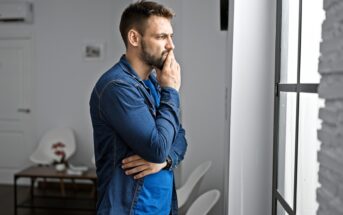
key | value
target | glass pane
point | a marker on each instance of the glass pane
(280, 209)
(289, 41)
(286, 154)
(308, 146)
(312, 18)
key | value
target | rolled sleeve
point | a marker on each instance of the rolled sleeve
(178, 149)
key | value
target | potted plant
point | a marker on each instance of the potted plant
(60, 162)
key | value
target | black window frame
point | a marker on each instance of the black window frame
(297, 88)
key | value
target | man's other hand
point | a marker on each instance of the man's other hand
(138, 167)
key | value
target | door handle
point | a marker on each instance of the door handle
(24, 110)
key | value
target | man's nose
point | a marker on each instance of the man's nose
(170, 44)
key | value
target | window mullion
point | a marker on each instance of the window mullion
(296, 153)
(276, 103)
(297, 110)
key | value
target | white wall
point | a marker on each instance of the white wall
(203, 61)
(64, 79)
(250, 179)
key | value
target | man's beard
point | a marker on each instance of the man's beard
(152, 60)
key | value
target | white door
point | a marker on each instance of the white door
(15, 112)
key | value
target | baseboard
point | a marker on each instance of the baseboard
(7, 177)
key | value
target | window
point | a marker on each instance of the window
(295, 166)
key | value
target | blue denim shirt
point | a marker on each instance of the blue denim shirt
(126, 122)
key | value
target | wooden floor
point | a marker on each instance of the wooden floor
(7, 204)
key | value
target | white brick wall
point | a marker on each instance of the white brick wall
(330, 156)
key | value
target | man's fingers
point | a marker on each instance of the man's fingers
(150, 169)
(137, 169)
(131, 158)
(169, 58)
(142, 174)
(170, 75)
(135, 163)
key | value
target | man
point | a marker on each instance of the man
(138, 139)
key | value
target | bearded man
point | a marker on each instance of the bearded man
(134, 107)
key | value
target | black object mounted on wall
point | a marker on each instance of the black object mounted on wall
(224, 14)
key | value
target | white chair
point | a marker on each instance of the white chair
(204, 203)
(44, 154)
(194, 180)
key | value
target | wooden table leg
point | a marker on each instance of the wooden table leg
(15, 195)
(62, 186)
(32, 187)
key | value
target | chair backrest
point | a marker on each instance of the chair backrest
(204, 203)
(184, 192)
(44, 154)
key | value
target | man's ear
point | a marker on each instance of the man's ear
(134, 37)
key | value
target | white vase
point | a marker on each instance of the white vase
(60, 167)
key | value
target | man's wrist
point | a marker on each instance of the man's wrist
(168, 163)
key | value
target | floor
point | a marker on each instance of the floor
(7, 203)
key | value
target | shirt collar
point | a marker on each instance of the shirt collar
(128, 68)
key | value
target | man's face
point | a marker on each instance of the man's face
(156, 41)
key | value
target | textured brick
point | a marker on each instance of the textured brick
(329, 184)
(331, 47)
(328, 4)
(330, 155)
(330, 88)
(334, 105)
(331, 159)
(327, 115)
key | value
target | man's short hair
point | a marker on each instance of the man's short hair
(136, 15)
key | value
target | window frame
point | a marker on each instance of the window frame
(297, 88)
